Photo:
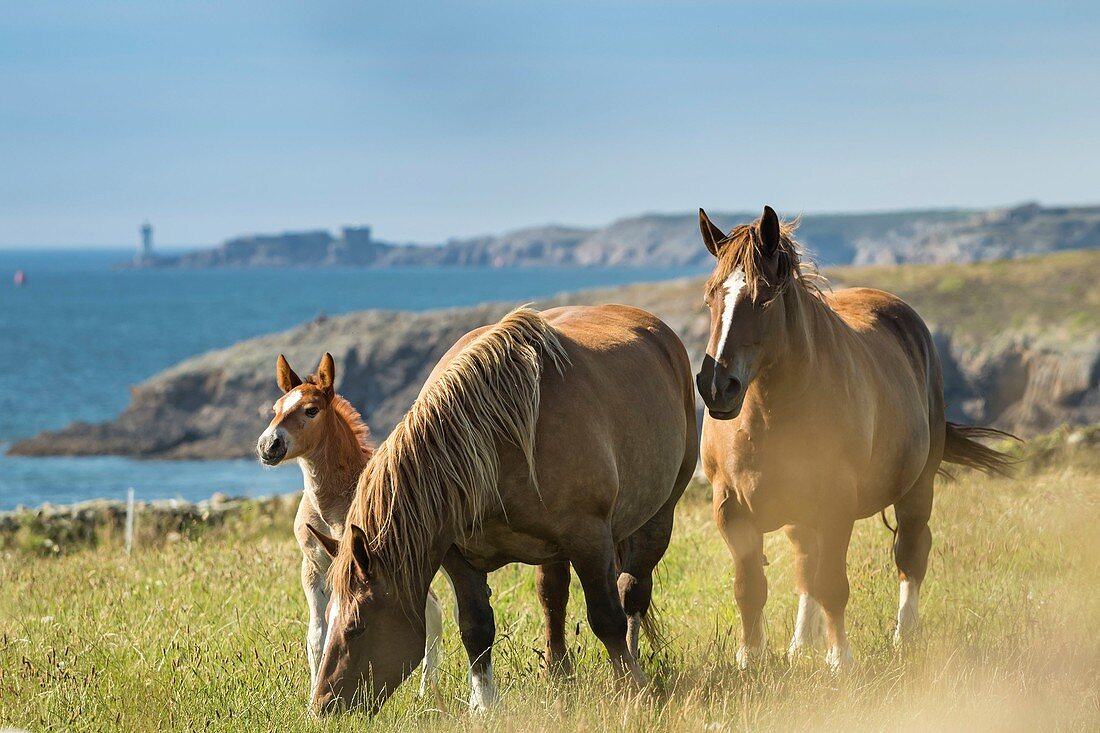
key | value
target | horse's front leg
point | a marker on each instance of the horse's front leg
(313, 586)
(750, 585)
(476, 625)
(831, 587)
(809, 625)
(433, 644)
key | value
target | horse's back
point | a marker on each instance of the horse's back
(888, 325)
(622, 420)
(615, 432)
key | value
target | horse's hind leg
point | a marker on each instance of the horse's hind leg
(640, 554)
(750, 585)
(593, 557)
(809, 626)
(912, 543)
(552, 582)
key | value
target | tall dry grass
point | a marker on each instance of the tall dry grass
(207, 633)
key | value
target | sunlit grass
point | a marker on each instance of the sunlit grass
(207, 633)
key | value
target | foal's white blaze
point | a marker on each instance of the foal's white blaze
(908, 598)
(734, 285)
(291, 400)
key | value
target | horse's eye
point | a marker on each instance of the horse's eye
(312, 411)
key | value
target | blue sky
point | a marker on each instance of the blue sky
(428, 120)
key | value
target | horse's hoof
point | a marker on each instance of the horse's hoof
(483, 698)
(839, 659)
(907, 628)
(749, 657)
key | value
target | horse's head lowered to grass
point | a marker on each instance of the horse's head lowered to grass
(429, 483)
(755, 265)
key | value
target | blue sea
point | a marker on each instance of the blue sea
(79, 333)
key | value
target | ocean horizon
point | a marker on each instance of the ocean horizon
(79, 333)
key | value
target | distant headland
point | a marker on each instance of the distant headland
(668, 240)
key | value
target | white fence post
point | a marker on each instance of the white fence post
(129, 520)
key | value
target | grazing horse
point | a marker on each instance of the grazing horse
(822, 408)
(565, 436)
(327, 436)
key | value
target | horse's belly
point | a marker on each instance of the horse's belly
(496, 545)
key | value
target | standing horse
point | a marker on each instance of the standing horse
(562, 436)
(327, 436)
(821, 409)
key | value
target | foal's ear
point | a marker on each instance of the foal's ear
(360, 550)
(712, 235)
(769, 231)
(329, 544)
(285, 376)
(326, 375)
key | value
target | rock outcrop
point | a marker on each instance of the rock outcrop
(1020, 343)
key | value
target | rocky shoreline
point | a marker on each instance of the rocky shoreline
(1019, 341)
(53, 529)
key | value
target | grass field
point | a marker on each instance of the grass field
(206, 633)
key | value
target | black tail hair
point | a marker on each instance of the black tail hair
(962, 448)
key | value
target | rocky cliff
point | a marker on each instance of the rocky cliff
(667, 240)
(1020, 343)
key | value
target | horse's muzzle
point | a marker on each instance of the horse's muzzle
(722, 393)
(271, 449)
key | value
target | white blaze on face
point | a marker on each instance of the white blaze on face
(734, 286)
(291, 400)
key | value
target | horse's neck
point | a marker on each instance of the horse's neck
(798, 361)
(332, 471)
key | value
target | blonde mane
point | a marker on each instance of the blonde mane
(742, 248)
(439, 467)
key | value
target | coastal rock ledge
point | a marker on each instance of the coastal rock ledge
(1020, 343)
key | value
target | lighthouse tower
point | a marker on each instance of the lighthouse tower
(145, 252)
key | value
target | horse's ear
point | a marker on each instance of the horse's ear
(326, 375)
(285, 376)
(330, 545)
(360, 551)
(712, 235)
(769, 231)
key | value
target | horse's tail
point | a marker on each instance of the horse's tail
(962, 448)
(651, 619)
